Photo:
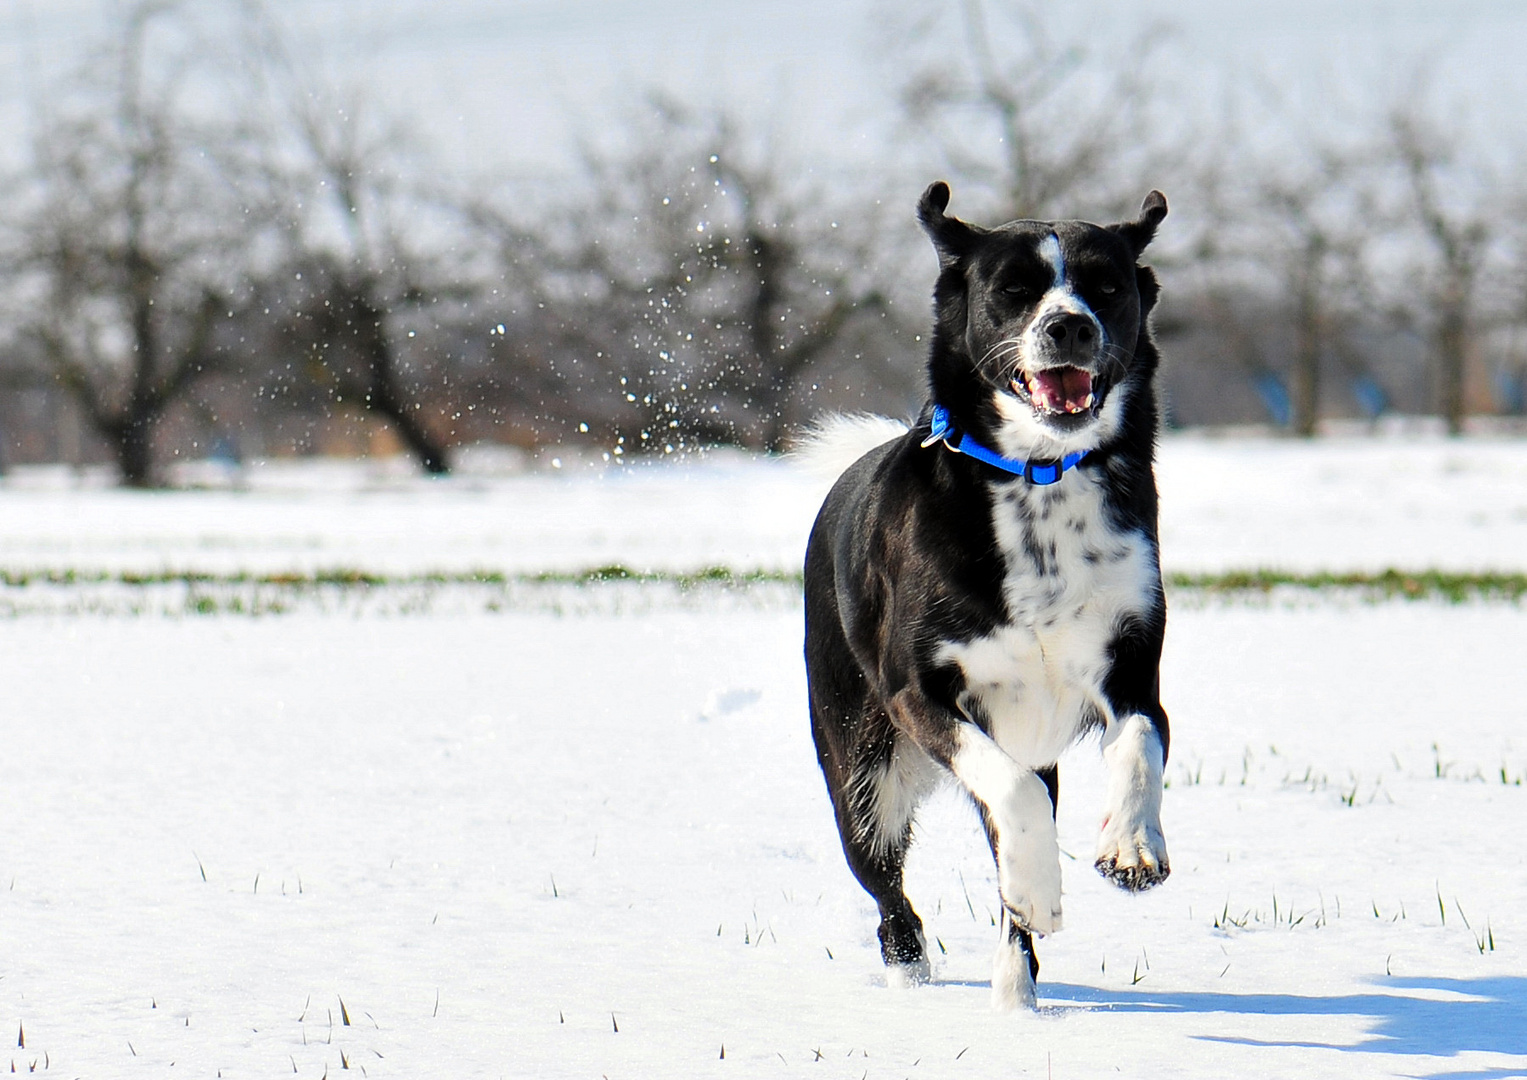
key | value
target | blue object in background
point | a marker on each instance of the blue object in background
(224, 450)
(1511, 391)
(1370, 396)
(1274, 397)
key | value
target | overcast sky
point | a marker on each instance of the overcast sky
(503, 86)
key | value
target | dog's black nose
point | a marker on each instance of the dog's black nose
(1070, 332)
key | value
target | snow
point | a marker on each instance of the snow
(550, 820)
(498, 836)
(1341, 504)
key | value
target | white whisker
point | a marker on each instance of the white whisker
(1004, 345)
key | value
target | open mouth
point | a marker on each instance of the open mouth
(1059, 391)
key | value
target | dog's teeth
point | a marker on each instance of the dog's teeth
(1091, 398)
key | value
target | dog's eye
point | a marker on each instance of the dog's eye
(1108, 288)
(1016, 290)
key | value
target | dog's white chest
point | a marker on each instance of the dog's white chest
(1071, 581)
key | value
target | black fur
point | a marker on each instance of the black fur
(905, 557)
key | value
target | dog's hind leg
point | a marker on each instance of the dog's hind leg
(1015, 968)
(875, 811)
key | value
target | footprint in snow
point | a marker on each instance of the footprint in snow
(725, 702)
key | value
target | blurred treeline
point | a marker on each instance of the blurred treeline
(210, 252)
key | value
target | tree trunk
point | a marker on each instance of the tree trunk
(420, 442)
(384, 397)
(132, 443)
(765, 336)
(1306, 376)
(1452, 350)
(1305, 382)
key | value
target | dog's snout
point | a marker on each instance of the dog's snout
(1070, 331)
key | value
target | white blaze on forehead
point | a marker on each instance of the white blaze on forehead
(1061, 297)
(1049, 251)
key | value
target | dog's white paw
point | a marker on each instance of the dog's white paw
(904, 976)
(1132, 853)
(1131, 849)
(1041, 916)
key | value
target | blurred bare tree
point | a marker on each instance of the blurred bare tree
(210, 243)
(697, 286)
(1320, 256)
(1048, 126)
(137, 228)
(375, 253)
(1447, 205)
(1292, 227)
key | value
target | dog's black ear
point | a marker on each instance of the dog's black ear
(1139, 233)
(951, 237)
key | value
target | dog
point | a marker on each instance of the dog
(986, 589)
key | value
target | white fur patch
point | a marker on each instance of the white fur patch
(1024, 436)
(1049, 251)
(1060, 300)
(893, 793)
(837, 440)
(1072, 580)
(1028, 853)
(1131, 838)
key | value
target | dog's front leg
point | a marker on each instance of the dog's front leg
(1131, 848)
(1021, 821)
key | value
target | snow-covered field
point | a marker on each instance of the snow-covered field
(1229, 503)
(595, 842)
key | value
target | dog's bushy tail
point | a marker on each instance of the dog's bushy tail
(834, 442)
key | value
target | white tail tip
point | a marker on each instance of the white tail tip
(838, 440)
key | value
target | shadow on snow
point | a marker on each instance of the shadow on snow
(1482, 1015)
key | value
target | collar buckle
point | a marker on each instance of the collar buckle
(939, 427)
(1043, 473)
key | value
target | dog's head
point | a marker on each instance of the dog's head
(1040, 324)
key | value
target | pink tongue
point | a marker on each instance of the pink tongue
(1062, 389)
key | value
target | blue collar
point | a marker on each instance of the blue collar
(942, 429)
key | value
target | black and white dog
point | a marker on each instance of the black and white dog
(985, 589)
